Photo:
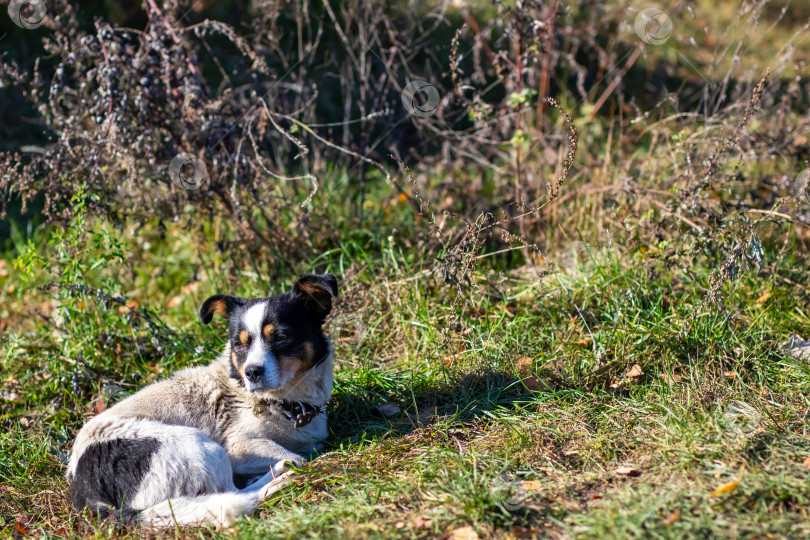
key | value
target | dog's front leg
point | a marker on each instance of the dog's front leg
(257, 456)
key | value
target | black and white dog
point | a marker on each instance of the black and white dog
(171, 452)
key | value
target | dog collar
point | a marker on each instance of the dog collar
(298, 411)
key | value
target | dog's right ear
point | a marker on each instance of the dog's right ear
(220, 304)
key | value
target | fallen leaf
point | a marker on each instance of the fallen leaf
(525, 533)
(174, 302)
(99, 405)
(389, 409)
(22, 530)
(533, 383)
(131, 305)
(725, 488)
(532, 485)
(595, 497)
(399, 525)
(628, 471)
(448, 360)
(418, 522)
(764, 297)
(191, 287)
(806, 463)
(797, 347)
(523, 364)
(671, 379)
(463, 533)
(729, 374)
(673, 517)
(425, 417)
(635, 372)
(730, 486)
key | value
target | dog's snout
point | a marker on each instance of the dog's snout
(254, 373)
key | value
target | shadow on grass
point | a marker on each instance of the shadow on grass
(395, 404)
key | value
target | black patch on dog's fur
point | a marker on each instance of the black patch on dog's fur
(109, 473)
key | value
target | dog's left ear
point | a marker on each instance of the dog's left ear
(317, 290)
(219, 304)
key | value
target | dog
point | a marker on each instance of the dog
(173, 452)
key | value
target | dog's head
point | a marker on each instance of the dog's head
(275, 340)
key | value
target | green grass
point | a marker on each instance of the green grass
(485, 430)
(522, 405)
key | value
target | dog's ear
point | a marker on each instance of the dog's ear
(317, 290)
(220, 304)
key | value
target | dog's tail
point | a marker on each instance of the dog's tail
(218, 509)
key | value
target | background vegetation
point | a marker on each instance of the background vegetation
(573, 270)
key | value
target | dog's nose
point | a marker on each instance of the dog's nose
(254, 373)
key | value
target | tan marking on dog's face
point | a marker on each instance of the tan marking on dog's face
(235, 362)
(298, 363)
(293, 365)
(267, 330)
(309, 351)
(244, 335)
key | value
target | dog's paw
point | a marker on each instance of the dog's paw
(282, 466)
(276, 484)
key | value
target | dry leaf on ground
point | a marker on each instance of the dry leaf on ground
(523, 364)
(425, 416)
(797, 347)
(418, 522)
(764, 298)
(533, 383)
(634, 372)
(627, 471)
(389, 409)
(463, 533)
(673, 517)
(730, 486)
(449, 360)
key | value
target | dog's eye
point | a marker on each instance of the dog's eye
(239, 347)
(281, 337)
